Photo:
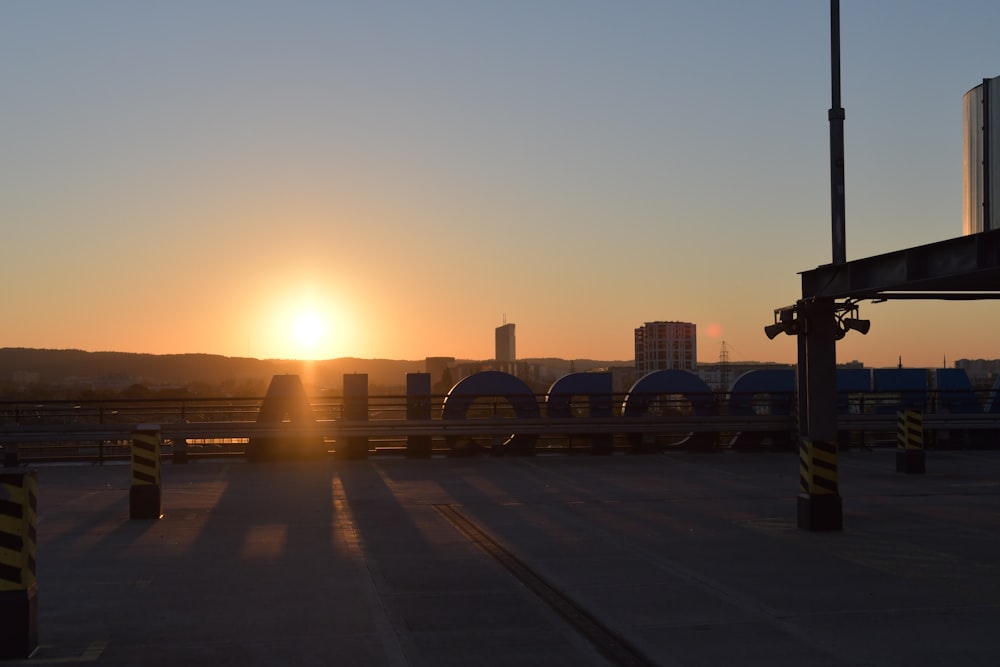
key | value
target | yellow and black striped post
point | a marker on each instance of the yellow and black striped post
(18, 589)
(819, 503)
(910, 442)
(144, 494)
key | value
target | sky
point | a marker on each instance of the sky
(396, 178)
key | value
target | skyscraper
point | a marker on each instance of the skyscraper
(981, 158)
(665, 345)
(505, 344)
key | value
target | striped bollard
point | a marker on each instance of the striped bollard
(819, 503)
(18, 589)
(144, 494)
(910, 442)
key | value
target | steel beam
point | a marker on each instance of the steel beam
(955, 266)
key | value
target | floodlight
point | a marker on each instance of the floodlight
(772, 330)
(784, 322)
(852, 323)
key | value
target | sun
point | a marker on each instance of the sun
(303, 325)
(308, 330)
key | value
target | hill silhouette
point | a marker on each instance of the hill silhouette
(46, 367)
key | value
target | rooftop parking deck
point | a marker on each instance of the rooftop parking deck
(668, 559)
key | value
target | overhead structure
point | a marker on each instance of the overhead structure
(962, 268)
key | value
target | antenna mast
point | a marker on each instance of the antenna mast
(724, 367)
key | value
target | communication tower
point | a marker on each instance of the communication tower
(724, 367)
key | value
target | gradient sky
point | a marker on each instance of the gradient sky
(193, 176)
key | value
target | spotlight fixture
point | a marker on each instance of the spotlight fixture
(789, 320)
(772, 330)
(847, 319)
(853, 323)
(784, 323)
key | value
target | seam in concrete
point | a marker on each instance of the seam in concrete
(609, 644)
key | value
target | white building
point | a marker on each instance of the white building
(664, 346)
(981, 158)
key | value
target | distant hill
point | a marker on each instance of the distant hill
(55, 366)
(46, 367)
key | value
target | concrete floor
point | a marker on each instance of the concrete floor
(671, 559)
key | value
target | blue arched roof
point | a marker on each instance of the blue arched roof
(597, 387)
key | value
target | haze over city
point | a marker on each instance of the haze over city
(391, 179)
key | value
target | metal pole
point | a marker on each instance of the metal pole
(837, 116)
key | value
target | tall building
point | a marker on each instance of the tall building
(981, 158)
(505, 344)
(665, 345)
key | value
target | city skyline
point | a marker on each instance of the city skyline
(326, 180)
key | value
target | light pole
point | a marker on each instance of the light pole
(837, 116)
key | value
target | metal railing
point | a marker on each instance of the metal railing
(100, 430)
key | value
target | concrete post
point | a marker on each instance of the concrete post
(418, 406)
(286, 405)
(355, 409)
(180, 449)
(819, 505)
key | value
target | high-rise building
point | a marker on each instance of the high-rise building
(665, 345)
(981, 158)
(505, 344)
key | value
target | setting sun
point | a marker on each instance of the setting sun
(308, 332)
(307, 322)
(308, 329)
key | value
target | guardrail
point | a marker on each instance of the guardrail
(344, 428)
(99, 431)
(108, 441)
(341, 428)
